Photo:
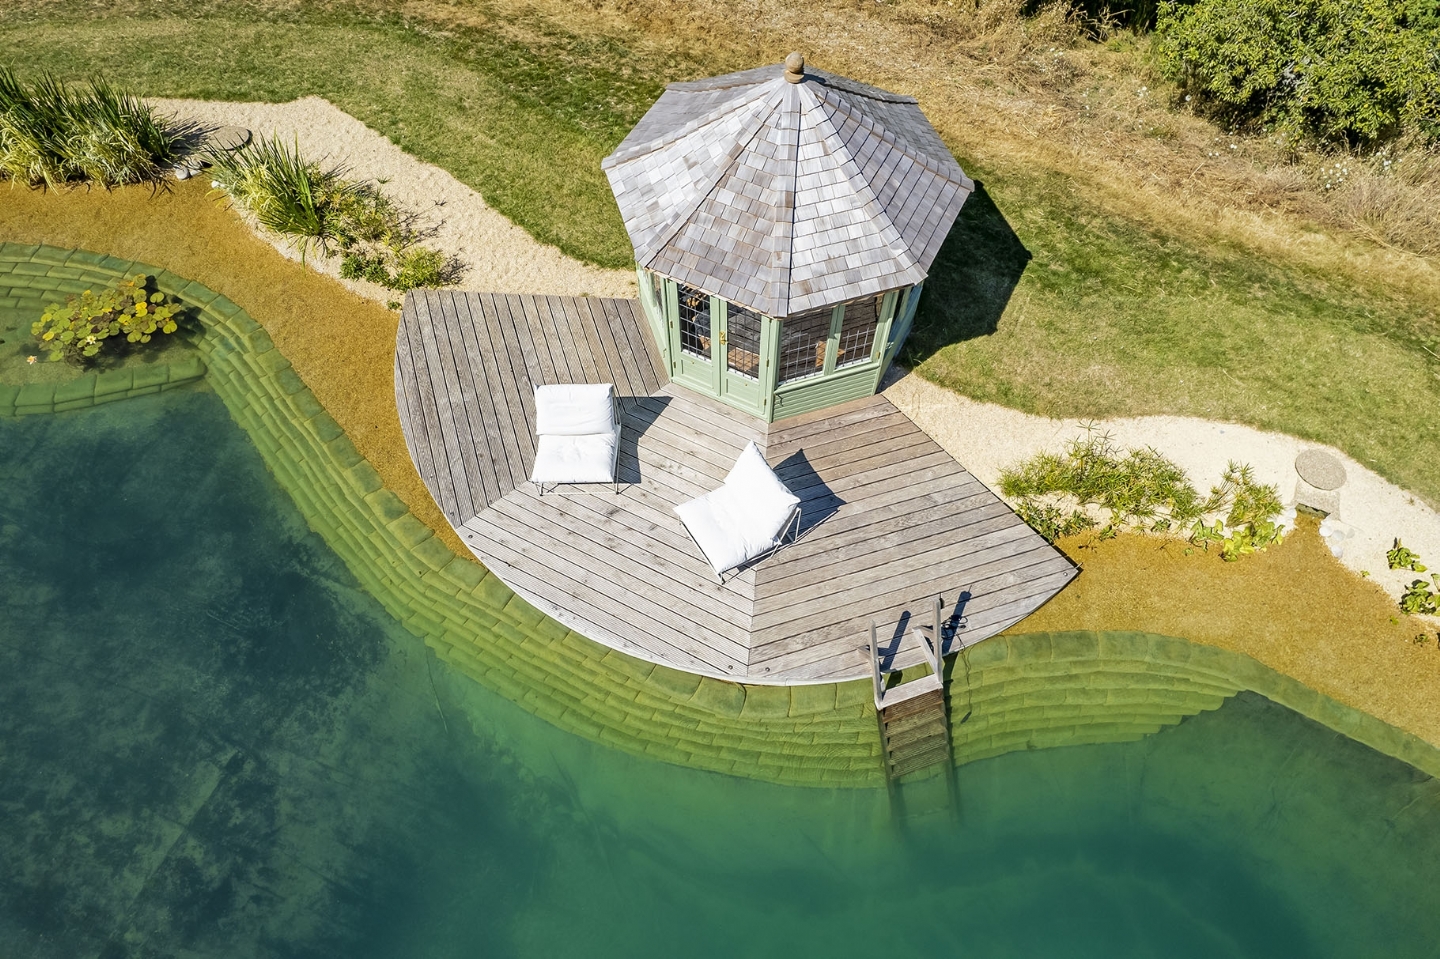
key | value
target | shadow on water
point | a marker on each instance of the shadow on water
(971, 281)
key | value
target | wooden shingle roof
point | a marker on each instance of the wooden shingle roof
(786, 196)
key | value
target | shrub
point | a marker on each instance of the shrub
(1354, 71)
(1420, 599)
(1399, 557)
(51, 135)
(319, 208)
(1142, 490)
(86, 324)
(1138, 488)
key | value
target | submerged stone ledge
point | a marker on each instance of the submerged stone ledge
(1007, 693)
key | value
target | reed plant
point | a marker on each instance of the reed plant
(51, 134)
(1060, 494)
(284, 192)
(318, 207)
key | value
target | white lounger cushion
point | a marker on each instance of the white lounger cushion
(742, 519)
(767, 500)
(575, 459)
(574, 409)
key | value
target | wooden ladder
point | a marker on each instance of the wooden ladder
(914, 726)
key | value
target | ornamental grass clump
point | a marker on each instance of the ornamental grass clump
(1061, 494)
(317, 207)
(1094, 483)
(94, 322)
(51, 134)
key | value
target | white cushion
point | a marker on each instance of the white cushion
(576, 459)
(768, 501)
(574, 409)
(743, 518)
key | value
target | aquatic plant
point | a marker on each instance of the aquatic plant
(51, 134)
(1250, 510)
(1420, 599)
(1139, 488)
(80, 329)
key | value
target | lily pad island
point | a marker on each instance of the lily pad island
(784, 220)
(783, 223)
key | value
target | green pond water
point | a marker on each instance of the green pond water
(213, 743)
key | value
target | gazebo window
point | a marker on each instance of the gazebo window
(857, 331)
(694, 322)
(742, 333)
(802, 344)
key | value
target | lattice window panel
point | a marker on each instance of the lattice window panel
(694, 322)
(742, 341)
(802, 344)
(857, 331)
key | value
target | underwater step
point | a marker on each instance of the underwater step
(915, 731)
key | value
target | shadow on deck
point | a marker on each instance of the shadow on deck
(890, 520)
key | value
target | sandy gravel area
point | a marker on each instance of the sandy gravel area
(498, 256)
(495, 254)
(1372, 513)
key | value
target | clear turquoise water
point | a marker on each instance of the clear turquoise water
(212, 743)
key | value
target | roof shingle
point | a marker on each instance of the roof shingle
(784, 197)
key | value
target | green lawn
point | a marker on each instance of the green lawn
(1038, 301)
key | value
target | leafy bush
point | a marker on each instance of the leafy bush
(1138, 488)
(1398, 557)
(51, 135)
(1353, 71)
(1058, 494)
(319, 208)
(86, 324)
(1250, 510)
(1419, 598)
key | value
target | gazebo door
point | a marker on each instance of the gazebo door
(742, 371)
(693, 339)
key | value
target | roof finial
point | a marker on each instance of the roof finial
(795, 67)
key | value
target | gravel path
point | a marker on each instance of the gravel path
(500, 257)
(495, 254)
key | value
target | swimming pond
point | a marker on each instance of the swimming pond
(214, 743)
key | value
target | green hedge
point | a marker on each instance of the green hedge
(1353, 71)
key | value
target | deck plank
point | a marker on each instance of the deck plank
(477, 425)
(890, 518)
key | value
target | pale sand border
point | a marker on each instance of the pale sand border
(988, 438)
(499, 256)
(495, 254)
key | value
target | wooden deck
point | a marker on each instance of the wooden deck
(889, 518)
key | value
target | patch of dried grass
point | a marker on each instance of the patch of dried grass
(1294, 608)
(1014, 93)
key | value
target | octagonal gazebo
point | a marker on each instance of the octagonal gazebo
(783, 220)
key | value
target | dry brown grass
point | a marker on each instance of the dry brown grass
(1294, 608)
(341, 345)
(1011, 92)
